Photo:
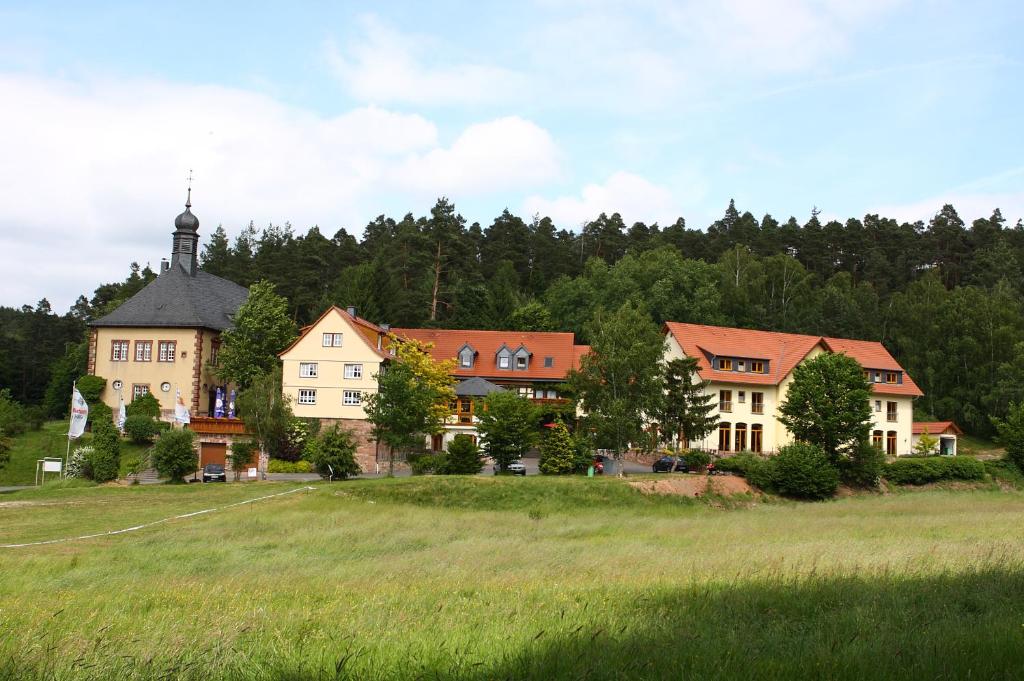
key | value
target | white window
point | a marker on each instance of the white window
(332, 340)
(119, 351)
(552, 395)
(308, 369)
(878, 405)
(503, 362)
(167, 351)
(526, 391)
(307, 396)
(139, 390)
(143, 351)
(742, 394)
(521, 362)
(741, 365)
(354, 371)
(352, 398)
(466, 358)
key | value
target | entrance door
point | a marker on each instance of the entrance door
(212, 452)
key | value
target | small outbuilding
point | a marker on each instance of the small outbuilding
(945, 431)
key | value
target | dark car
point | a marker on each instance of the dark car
(214, 472)
(668, 464)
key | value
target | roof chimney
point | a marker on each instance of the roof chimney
(352, 310)
(164, 265)
(386, 327)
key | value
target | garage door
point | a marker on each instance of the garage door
(212, 452)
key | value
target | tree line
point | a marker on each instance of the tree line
(943, 296)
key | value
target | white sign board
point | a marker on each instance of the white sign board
(253, 473)
(51, 466)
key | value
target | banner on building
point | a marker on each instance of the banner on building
(79, 415)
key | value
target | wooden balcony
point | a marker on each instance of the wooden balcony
(212, 426)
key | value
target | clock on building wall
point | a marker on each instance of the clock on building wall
(165, 386)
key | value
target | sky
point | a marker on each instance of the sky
(333, 113)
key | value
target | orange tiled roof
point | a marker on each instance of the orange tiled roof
(936, 427)
(559, 346)
(358, 321)
(781, 351)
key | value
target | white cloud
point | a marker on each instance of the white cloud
(388, 66)
(632, 196)
(95, 172)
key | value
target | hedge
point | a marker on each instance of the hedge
(923, 470)
(280, 466)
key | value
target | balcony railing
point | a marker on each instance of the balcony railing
(725, 406)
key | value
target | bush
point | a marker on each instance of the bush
(804, 471)
(863, 467)
(697, 460)
(242, 454)
(333, 453)
(426, 463)
(463, 457)
(100, 413)
(144, 405)
(1011, 434)
(174, 454)
(293, 445)
(133, 465)
(78, 463)
(141, 429)
(105, 462)
(278, 466)
(923, 470)
(738, 463)
(12, 414)
(5, 448)
(91, 388)
(558, 452)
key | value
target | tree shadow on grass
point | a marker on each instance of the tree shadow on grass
(952, 626)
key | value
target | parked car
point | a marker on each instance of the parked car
(514, 468)
(214, 472)
(668, 464)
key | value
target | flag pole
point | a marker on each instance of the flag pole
(67, 454)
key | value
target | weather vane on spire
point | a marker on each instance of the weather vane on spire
(188, 201)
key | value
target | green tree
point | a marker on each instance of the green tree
(262, 329)
(463, 457)
(1011, 434)
(926, 444)
(241, 456)
(266, 413)
(804, 471)
(141, 429)
(619, 381)
(105, 461)
(174, 454)
(828, 404)
(507, 424)
(333, 454)
(686, 410)
(144, 405)
(558, 453)
(401, 410)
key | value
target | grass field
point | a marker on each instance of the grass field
(495, 578)
(51, 440)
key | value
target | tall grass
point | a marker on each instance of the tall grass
(506, 578)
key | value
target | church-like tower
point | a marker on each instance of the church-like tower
(185, 251)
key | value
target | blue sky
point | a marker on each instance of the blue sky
(332, 113)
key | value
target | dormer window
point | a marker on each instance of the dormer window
(522, 356)
(757, 366)
(725, 364)
(505, 355)
(890, 377)
(466, 356)
(521, 362)
(741, 365)
(503, 362)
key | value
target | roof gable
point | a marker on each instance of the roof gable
(354, 323)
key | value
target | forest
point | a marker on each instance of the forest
(944, 297)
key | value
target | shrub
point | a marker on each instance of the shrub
(174, 455)
(5, 448)
(12, 414)
(144, 405)
(242, 454)
(923, 470)
(738, 463)
(426, 463)
(133, 465)
(1011, 434)
(105, 462)
(557, 452)
(91, 388)
(697, 460)
(278, 466)
(78, 463)
(863, 467)
(463, 457)
(295, 441)
(141, 429)
(803, 471)
(334, 454)
(99, 412)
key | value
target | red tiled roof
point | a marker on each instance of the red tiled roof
(541, 344)
(936, 427)
(781, 351)
(358, 321)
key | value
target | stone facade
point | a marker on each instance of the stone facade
(368, 455)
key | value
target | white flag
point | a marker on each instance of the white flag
(122, 414)
(79, 415)
(181, 414)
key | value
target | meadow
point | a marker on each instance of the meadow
(509, 578)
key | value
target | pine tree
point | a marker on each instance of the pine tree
(686, 412)
(558, 452)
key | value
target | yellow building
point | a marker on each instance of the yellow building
(750, 371)
(165, 338)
